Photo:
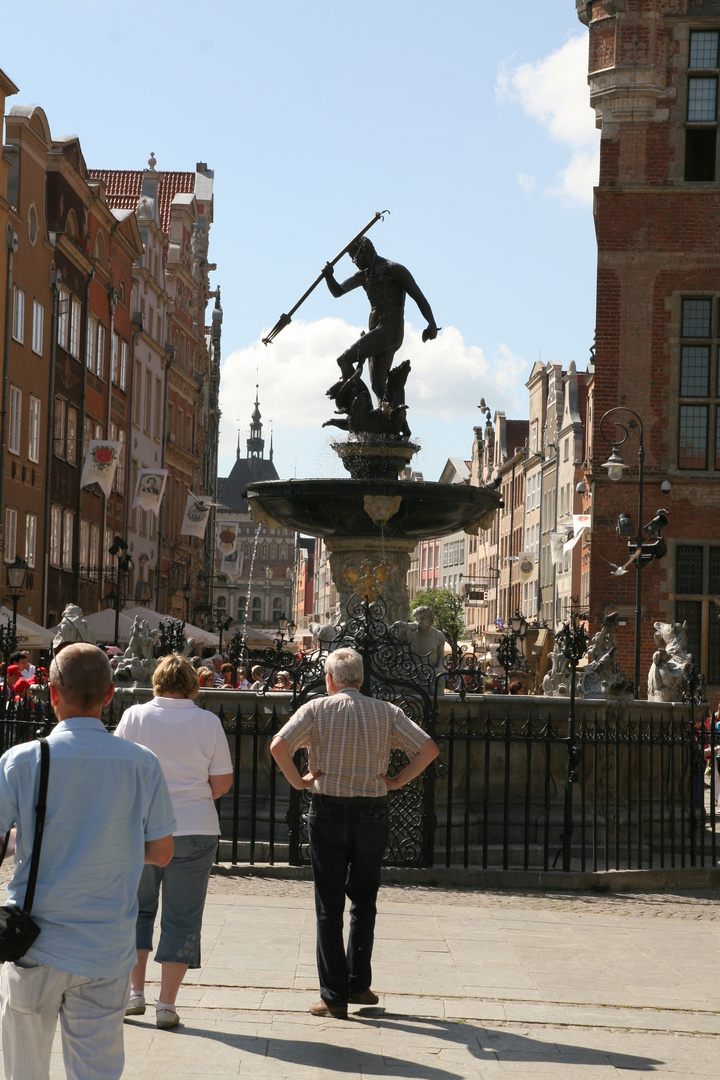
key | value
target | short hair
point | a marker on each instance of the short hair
(175, 675)
(205, 673)
(345, 666)
(424, 610)
(81, 674)
(226, 667)
(14, 657)
(363, 244)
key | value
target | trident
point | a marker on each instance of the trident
(285, 319)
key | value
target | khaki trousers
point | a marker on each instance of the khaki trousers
(91, 1013)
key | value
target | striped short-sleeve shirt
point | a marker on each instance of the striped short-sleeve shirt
(349, 738)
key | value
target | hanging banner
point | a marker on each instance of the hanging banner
(100, 464)
(197, 512)
(581, 521)
(557, 540)
(570, 544)
(227, 534)
(150, 488)
(526, 565)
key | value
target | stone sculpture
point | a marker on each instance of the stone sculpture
(137, 664)
(671, 661)
(426, 642)
(602, 676)
(72, 628)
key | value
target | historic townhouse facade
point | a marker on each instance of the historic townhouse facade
(654, 67)
(253, 560)
(176, 338)
(24, 440)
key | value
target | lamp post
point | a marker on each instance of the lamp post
(187, 592)
(16, 572)
(124, 565)
(510, 657)
(222, 623)
(624, 427)
(285, 626)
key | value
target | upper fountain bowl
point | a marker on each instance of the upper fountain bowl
(395, 509)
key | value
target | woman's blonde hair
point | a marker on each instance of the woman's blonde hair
(205, 673)
(175, 675)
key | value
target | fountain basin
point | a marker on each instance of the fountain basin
(338, 508)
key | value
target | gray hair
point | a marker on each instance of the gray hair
(345, 666)
(81, 674)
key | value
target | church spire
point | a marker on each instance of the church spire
(256, 443)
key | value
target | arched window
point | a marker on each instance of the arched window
(283, 552)
(221, 603)
(277, 608)
(241, 606)
(256, 609)
(247, 551)
(71, 225)
(100, 248)
(264, 551)
(273, 551)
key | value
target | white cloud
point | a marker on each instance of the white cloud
(447, 380)
(527, 183)
(554, 91)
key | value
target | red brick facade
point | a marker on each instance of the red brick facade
(654, 71)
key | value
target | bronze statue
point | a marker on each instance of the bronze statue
(386, 284)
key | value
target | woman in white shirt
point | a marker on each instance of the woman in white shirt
(195, 758)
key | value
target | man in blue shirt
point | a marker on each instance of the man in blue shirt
(108, 813)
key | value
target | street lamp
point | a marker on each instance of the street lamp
(510, 657)
(285, 626)
(222, 623)
(626, 422)
(187, 593)
(124, 565)
(16, 572)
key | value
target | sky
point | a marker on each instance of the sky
(468, 120)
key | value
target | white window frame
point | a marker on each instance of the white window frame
(30, 539)
(68, 528)
(59, 428)
(94, 551)
(71, 435)
(10, 534)
(75, 321)
(63, 325)
(18, 315)
(84, 557)
(14, 420)
(100, 351)
(90, 344)
(34, 429)
(38, 330)
(55, 535)
(124, 356)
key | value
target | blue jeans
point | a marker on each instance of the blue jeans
(184, 887)
(347, 841)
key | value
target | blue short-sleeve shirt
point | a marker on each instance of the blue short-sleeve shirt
(106, 798)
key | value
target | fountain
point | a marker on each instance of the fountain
(372, 521)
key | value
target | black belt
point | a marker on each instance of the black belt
(361, 800)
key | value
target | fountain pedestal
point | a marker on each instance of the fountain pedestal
(372, 522)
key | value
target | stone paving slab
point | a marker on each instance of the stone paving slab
(475, 985)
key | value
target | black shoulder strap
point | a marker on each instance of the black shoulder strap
(39, 824)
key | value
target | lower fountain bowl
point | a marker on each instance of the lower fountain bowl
(395, 509)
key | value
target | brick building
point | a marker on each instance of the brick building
(173, 294)
(654, 67)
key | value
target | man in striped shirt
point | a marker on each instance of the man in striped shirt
(349, 738)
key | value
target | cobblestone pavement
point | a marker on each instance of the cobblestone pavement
(474, 984)
(695, 904)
